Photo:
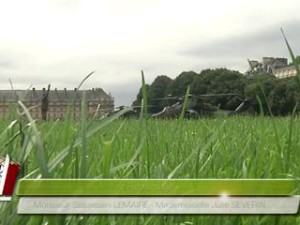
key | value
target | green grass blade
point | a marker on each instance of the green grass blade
(90, 74)
(292, 55)
(41, 158)
(185, 103)
(145, 96)
(61, 155)
(83, 164)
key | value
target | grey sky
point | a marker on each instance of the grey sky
(61, 41)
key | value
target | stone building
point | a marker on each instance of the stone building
(59, 102)
(279, 67)
(287, 71)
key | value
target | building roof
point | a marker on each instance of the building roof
(95, 94)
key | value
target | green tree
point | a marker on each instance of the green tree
(181, 82)
(264, 92)
(260, 89)
(220, 81)
(138, 101)
(286, 96)
(157, 91)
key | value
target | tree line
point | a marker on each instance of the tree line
(263, 93)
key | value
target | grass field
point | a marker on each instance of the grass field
(229, 147)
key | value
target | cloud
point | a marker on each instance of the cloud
(59, 42)
(6, 63)
(10, 58)
(253, 45)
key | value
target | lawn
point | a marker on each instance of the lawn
(222, 147)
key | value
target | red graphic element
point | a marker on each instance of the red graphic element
(11, 178)
(8, 175)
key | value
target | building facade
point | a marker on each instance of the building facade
(284, 72)
(279, 67)
(59, 102)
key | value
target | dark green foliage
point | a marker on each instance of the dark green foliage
(158, 90)
(220, 81)
(286, 95)
(181, 82)
(139, 96)
(258, 88)
(260, 91)
(282, 95)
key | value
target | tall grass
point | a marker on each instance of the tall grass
(237, 147)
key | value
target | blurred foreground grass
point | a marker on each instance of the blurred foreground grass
(232, 147)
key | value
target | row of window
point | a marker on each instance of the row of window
(52, 115)
(56, 109)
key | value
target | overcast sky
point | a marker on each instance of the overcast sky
(61, 41)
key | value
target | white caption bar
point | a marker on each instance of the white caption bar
(159, 205)
(5, 198)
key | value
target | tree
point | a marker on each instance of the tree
(157, 91)
(181, 82)
(263, 92)
(260, 93)
(139, 96)
(286, 96)
(220, 81)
